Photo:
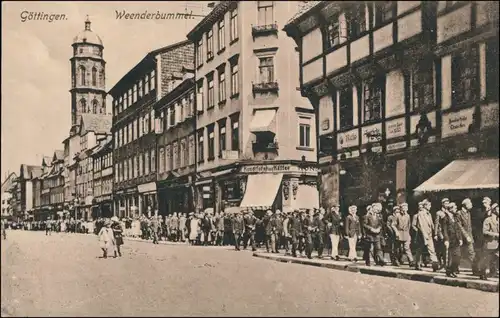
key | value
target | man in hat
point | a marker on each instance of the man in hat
(307, 229)
(296, 232)
(154, 228)
(286, 231)
(402, 230)
(278, 235)
(238, 229)
(464, 218)
(250, 225)
(392, 231)
(477, 218)
(423, 226)
(441, 251)
(319, 226)
(372, 224)
(489, 259)
(352, 232)
(219, 226)
(453, 235)
(334, 221)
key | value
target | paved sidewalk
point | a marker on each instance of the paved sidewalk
(464, 279)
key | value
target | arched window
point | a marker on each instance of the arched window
(82, 75)
(94, 76)
(95, 104)
(101, 78)
(83, 105)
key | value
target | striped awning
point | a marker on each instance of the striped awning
(261, 190)
(464, 175)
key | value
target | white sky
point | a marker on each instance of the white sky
(36, 69)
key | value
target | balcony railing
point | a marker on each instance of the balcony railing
(263, 30)
(265, 147)
(265, 87)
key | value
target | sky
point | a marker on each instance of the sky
(36, 78)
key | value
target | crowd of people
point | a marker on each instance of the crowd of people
(442, 238)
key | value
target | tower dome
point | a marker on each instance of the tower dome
(87, 35)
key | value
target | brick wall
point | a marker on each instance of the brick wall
(173, 61)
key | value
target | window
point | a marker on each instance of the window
(83, 105)
(222, 137)
(492, 69)
(152, 81)
(211, 99)
(423, 85)
(265, 12)
(146, 162)
(146, 124)
(130, 97)
(222, 85)
(332, 33)
(146, 84)
(235, 135)
(130, 168)
(152, 120)
(211, 142)
(101, 78)
(464, 76)
(135, 130)
(168, 158)
(191, 149)
(122, 137)
(82, 72)
(140, 89)
(233, 25)
(346, 111)
(199, 53)
(304, 135)
(126, 170)
(141, 126)
(172, 116)
(234, 79)
(383, 12)
(153, 160)
(221, 35)
(266, 70)
(161, 163)
(120, 103)
(134, 93)
(95, 105)
(200, 98)
(175, 156)
(130, 132)
(357, 21)
(136, 166)
(201, 154)
(373, 99)
(210, 44)
(94, 76)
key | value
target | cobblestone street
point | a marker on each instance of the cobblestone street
(62, 275)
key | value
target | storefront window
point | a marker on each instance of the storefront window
(231, 190)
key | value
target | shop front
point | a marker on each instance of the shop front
(126, 202)
(103, 207)
(261, 187)
(147, 202)
(175, 195)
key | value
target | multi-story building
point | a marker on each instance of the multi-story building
(55, 181)
(24, 192)
(88, 98)
(7, 195)
(102, 155)
(255, 142)
(401, 89)
(42, 190)
(94, 129)
(175, 114)
(134, 149)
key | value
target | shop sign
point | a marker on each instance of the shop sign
(489, 116)
(372, 133)
(325, 159)
(266, 169)
(396, 146)
(457, 123)
(348, 139)
(147, 187)
(395, 128)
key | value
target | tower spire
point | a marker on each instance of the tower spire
(87, 23)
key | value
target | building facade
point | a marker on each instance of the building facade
(401, 89)
(7, 195)
(102, 156)
(134, 148)
(254, 128)
(175, 114)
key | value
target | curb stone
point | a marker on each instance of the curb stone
(426, 277)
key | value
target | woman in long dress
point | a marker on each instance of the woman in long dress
(106, 239)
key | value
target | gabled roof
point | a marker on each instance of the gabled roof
(104, 145)
(98, 123)
(58, 155)
(47, 160)
(25, 171)
(36, 172)
(305, 8)
(149, 59)
(7, 183)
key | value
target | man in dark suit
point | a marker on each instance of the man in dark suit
(452, 233)
(334, 222)
(372, 224)
(268, 222)
(278, 233)
(319, 226)
(250, 224)
(238, 229)
(296, 232)
(307, 228)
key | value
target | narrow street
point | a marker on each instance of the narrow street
(62, 275)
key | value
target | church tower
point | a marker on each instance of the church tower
(88, 76)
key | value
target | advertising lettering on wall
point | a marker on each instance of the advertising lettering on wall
(348, 139)
(372, 133)
(395, 128)
(457, 123)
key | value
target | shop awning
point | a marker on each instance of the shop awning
(262, 119)
(261, 190)
(307, 197)
(464, 175)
